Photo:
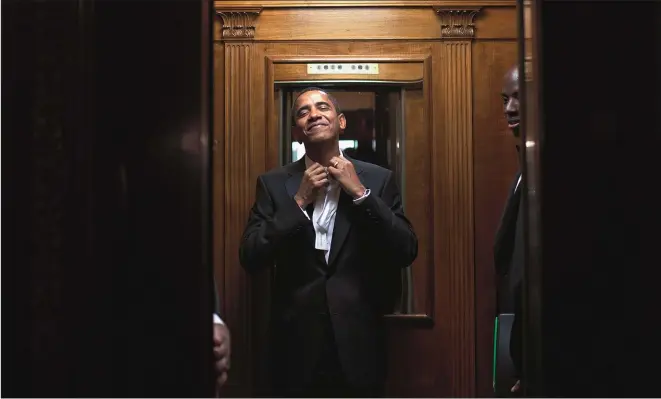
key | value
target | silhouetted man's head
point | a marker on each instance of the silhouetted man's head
(510, 95)
(318, 115)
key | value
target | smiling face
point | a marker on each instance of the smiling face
(510, 96)
(316, 116)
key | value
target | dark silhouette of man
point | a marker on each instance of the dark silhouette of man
(334, 231)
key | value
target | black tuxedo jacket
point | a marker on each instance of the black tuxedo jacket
(371, 242)
(509, 261)
(508, 257)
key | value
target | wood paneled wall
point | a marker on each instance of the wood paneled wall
(470, 44)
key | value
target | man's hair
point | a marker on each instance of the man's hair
(332, 99)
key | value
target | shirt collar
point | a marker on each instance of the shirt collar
(309, 162)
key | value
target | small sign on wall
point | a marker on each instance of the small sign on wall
(343, 69)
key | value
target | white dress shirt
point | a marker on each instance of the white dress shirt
(325, 208)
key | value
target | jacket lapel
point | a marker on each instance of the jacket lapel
(292, 183)
(295, 172)
(342, 220)
(505, 234)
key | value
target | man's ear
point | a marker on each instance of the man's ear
(343, 122)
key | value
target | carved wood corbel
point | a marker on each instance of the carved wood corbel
(457, 23)
(238, 23)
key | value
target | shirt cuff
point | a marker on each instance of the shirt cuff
(218, 320)
(361, 199)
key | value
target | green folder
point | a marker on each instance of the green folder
(503, 367)
(495, 352)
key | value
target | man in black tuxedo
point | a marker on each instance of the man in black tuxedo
(335, 232)
(509, 243)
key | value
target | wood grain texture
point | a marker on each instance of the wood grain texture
(358, 3)
(454, 200)
(238, 194)
(367, 23)
(218, 171)
(418, 181)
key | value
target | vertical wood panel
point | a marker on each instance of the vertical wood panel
(417, 191)
(261, 160)
(455, 219)
(238, 198)
(218, 171)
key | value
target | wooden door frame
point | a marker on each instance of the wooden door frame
(426, 279)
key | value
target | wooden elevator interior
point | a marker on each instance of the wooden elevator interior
(458, 164)
(120, 161)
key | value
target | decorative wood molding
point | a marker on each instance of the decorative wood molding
(228, 4)
(238, 196)
(304, 59)
(457, 22)
(456, 209)
(238, 23)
